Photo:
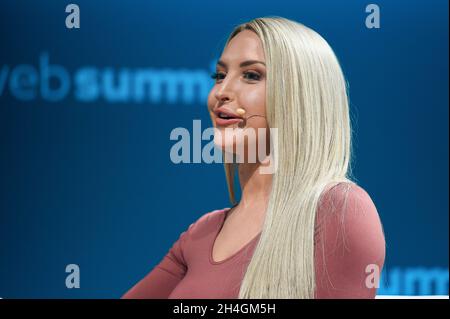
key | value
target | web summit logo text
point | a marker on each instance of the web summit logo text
(53, 83)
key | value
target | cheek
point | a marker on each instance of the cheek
(255, 101)
(211, 102)
(211, 99)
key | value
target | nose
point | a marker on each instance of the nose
(224, 93)
(222, 97)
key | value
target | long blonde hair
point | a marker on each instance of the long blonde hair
(306, 100)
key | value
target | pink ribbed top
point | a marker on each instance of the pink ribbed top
(352, 239)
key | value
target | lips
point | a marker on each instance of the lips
(224, 122)
(226, 117)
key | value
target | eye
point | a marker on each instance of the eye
(217, 76)
(252, 75)
(248, 75)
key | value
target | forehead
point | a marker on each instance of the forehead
(246, 45)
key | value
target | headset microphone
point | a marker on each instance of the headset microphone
(241, 112)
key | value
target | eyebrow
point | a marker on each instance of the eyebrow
(245, 63)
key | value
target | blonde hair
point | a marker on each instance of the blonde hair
(306, 100)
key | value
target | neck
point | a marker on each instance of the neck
(255, 187)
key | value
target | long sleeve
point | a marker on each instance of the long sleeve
(159, 283)
(350, 244)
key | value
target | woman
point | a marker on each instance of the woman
(305, 230)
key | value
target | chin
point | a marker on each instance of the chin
(226, 146)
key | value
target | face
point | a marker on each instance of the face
(240, 84)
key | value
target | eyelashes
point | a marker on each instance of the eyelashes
(253, 76)
(215, 76)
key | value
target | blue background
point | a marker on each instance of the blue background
(90, 182)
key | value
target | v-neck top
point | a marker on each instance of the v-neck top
(223, 216)
(188, 270)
